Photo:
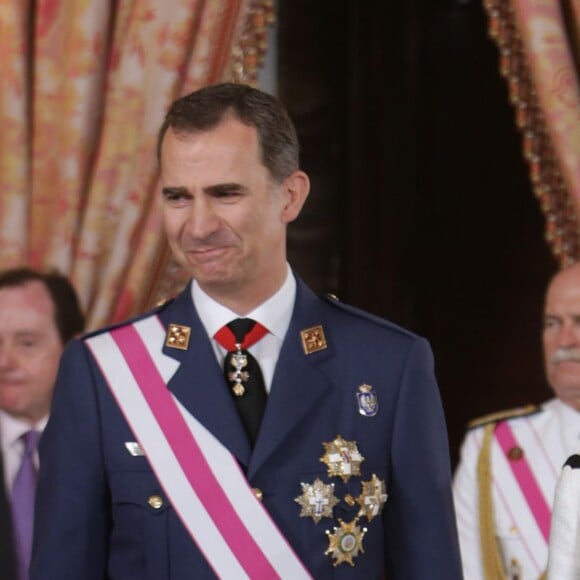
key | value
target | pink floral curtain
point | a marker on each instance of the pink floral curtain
(539, 44)
(84, 86)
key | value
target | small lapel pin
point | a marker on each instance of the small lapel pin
(368, 403)
(134, 448)
(178, 336)
(313, 339)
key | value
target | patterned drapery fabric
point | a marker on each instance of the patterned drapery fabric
(84, 86)
(539, 44)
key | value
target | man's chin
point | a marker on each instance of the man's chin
(573, 401)
(203, 273)
(12, 407)
(569, 392)
(566, 374)
(214, 279)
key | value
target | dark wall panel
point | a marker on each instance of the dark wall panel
(423, 210)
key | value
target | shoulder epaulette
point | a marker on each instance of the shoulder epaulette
(333, 300)
(504, 415)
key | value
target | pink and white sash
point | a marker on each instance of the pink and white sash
(526, 480)
(203, 480)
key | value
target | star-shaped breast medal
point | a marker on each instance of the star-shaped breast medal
(346, 542)
(373, 498)
(342, 458)
(317, 500)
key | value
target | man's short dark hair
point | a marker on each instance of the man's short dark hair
(205, 109)
(68, 316)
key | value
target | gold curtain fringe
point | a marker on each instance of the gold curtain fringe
(249, 50)
(561, 231)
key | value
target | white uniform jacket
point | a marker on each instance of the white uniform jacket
(526, 455)
(564, 553)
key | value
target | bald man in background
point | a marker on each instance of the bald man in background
(510, 461)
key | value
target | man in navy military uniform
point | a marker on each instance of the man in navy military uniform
(318, 450)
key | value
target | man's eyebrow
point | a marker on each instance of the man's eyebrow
(27, 333)
(222, 188)
(174, 190)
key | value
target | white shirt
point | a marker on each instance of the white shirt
(275, 314)
(12, 446)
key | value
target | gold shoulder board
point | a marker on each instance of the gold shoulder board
(503, 415)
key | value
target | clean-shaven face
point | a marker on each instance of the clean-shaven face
(224, 215)
(30, 349)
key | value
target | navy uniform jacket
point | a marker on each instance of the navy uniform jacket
(93, 520)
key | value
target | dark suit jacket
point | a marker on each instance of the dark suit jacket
(93, 520)
(7, 571)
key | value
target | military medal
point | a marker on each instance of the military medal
(134, 448)
(346, 542)
(313, 339)
(373, 498)
(317, 500)
(238, 360)
(368, 404)
(178, 336)
(342, 458)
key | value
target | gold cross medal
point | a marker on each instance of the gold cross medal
(342, 458)
(317, 500)
(238, 360)
(346, 542)
(373, 497)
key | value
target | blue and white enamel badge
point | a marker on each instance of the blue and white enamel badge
(368, 403)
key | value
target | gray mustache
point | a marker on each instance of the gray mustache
(563, 354)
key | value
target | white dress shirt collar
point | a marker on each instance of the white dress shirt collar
(275, 313)
(12, 429)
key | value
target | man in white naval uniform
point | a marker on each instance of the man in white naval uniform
(564, 552)
(510, 462)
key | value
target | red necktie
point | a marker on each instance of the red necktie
(242, 371)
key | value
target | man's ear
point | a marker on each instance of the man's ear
(295, 189)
